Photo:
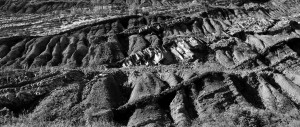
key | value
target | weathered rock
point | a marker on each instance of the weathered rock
(178, 110)
(197, 27)
(28, 47)
(207, 25)
(78, 55)
(136, 43)
(154, 40)
(147, 84)
(224, 58)
(151, 115)
(187, 49)
(92, 32)
(89, 56)
(243, 52)
(56, 56)
(67, 53)
(104, 95)
(15, 52)
(290, 88)
(46, 56)
(42, 59)
(59, 105)
(217, 26)
(108, 52)
(64, 42)
(293, 74)
(233, 69)
(185, 75)
(273, 99)
(280, 54)
(170, 78)
(38, 47)
(149, 56)
(255, 42)
(168, 32)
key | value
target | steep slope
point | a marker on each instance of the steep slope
(211, 97)
(223, 66)
(232, 40)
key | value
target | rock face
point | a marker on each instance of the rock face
(137, 40)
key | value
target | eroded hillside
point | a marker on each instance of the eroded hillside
(220, 66)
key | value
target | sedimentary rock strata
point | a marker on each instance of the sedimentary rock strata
(120, 42)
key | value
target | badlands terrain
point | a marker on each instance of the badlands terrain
(152, 63)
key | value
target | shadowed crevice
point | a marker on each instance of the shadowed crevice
(248, 91)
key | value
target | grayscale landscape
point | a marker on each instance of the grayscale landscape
(149, 63)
